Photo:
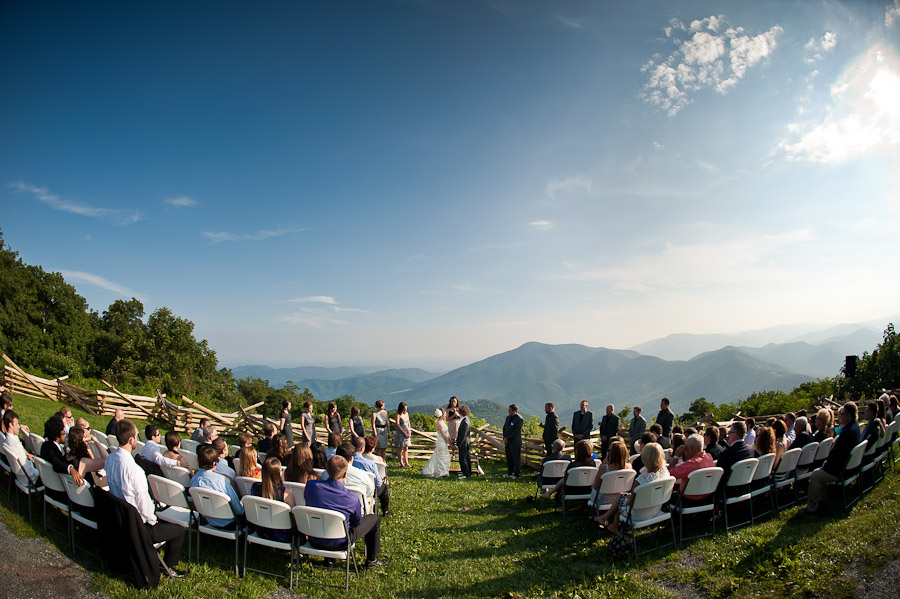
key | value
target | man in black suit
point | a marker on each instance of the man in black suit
(117, 416)
(837, 460)
(665, 418)
(462, 443)
(52, 452)
(711, 440)
(265, 444)
(609, 428)
(582, 422)
(550, 426)
(737, 451)
(512, 441)
(637, 428)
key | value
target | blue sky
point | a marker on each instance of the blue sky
(430, 183)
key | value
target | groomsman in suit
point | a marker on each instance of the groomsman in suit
(462, 443)
(551, 427)
(512, 439)
(665, 418)
(582, 422)
(609, 428)
(637, 428)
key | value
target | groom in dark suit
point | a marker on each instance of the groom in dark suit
(512, 440)
(462, 443)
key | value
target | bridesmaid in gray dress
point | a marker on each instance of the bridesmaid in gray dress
(333, 419)
(308, 423)
(285, 423)
(380, 429)
(402, 436)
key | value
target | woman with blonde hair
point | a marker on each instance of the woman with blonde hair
(249, 463)
(764, 442)
(272, 487)
(616, 459)
(824, 428)
(655, 462)
(300, 467)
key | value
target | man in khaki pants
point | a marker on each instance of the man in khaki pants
(837, 459)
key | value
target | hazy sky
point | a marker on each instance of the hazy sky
(430, 183)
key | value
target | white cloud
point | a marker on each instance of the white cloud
(892, 14)
(707, 59)
(568, 186)
(318, 316)
(41, 194)
(220, 236)
(181, 202)
(571, 22)
(541, 225)
(73, 276)
(314, 299)
(864, 116)
(312, 318)
(826, 43)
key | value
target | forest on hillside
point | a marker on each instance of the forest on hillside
(47, 328)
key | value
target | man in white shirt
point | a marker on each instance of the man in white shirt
(13, 445)
(128, 482)
(357, 479)
(790, 419)
(153, 453)
(222, 467)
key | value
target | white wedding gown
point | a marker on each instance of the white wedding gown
(439, 463)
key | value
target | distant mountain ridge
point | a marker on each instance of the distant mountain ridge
(278, 377)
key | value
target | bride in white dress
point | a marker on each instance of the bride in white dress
(439, 463)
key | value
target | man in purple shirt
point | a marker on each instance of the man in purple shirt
(331, 494)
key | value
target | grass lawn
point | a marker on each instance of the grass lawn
(481, 538)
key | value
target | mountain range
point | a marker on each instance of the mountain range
(536, 373)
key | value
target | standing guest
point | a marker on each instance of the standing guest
(118, 415)
(265, 444)
(300, 467)
(198, 435)
(284, 423)
(128, 482)
(512, 441)
(380, 429)
(618, 460)
(333, 419)
(824, 428)
(356, 424)
(207, 478)
(637, 428)
(550, 426)
(371, 445)
(750, 424)
(462, 443)
(694, 459)
(173, 444)
(582, 422)
(13, 445)
(331, 494)
(711, 439)
(803, 437)
(222, 466)
(609, 428)
(453, 404)
(248, 464)
(837, 459)
(737, 450)
(334, 440)
(272, 487)
(308, 423)
(665, 418)
(402, 436)
(790, 420)
(152, 451)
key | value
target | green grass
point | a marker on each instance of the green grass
(481, 538)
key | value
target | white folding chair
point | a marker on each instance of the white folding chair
(37, 442)
(139, 445)
(22, 482)
(233, 449)
(271, 514)
(850, 475)
(735, 492)
(382, 470)
(617, 481)
(189, 445)
(112, 442)
(191, 458)
(633, 458)
(582, 476)
(53, 482)
(213, 504)
(822, 452)
(172, 505)
(551, 473)
(319, 471)
(868, 466)
(243, 484)
(298, 490)
(703, 481)
(784, 476)
(805, 463)
(762, 483)
(649, 498)
(326, 524)
(81, 500)
(180, 475)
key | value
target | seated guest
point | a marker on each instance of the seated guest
(737, 450)
(678, 429)
(320, 460)
(243, 440)
(690, 430)
(790, 421)
(764, 442)
(779, 428)
(53, 453)
(837, 459)
(222, 466)
(750, 437)
(711, 438)
(173, 444)
(152, 451)
(300, 467)
(371, 445)
(556, 453)
(208, 478)
(355, 479)
(248, 464)
(81, 455)
(5, 404)
(334, 441)
(65, 414)
(663, 441)
(895, 407)
(874, 430)
(272, 487)
(802, 436)
(331, 494)
(723, 438)
(13, 445)
(583, 451)
(677, 448)
(117, 416)
(280, 449)
(199, 435)
(128, 482)
(654, 460)
(824, 428)
(363, 463)
(616, 460)
(694, 459)
(265, 444)
(646, 439)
